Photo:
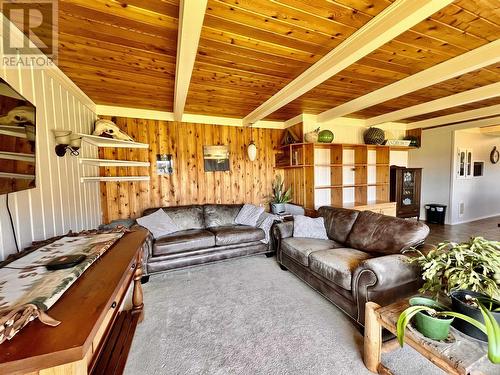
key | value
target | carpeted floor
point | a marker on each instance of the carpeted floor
(246, 316)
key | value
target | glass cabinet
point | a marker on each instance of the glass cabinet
(405, 190)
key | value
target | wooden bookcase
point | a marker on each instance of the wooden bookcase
(342, 175)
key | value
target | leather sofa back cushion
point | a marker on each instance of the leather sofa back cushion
(185, 217)
(376, 233)
(338, 222)
(217, 215)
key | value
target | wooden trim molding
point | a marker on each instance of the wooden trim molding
(470, 96)
(456, 117)
(147, 114)
(391, 22)
(191, 15)
(465, 63)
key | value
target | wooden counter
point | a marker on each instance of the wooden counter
(88, 312)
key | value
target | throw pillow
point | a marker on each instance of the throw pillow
(248, 215)
(158, 223)
(265, 222)
(309, 227)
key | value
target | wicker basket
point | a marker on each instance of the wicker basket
(374, 136)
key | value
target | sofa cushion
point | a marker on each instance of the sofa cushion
(158, 223)
(186, 240)
(185, 217)
(338, 222)
(337, 265)
(235, 234)
(249, 214)
(308, 227)
(299, 248)
(217, 215)
(376, 233)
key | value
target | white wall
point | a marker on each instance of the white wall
(59, 202)
(480, 195)
(436, 157)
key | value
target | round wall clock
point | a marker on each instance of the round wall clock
(494, 155)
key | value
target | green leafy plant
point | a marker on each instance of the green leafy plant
(472, 265)
(280, 195)
(490, 326)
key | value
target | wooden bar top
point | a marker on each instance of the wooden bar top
(81, 311)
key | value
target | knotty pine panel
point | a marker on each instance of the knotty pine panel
(246, 182)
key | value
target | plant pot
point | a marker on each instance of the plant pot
(430, 327)
(277, 208)
(458, 305)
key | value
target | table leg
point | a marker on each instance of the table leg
(373, 338)
(137, 297)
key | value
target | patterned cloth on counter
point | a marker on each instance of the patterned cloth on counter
(28, 289)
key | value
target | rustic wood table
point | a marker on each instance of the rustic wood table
(461, 355)
(96, 332)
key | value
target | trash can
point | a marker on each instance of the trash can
(435, 213)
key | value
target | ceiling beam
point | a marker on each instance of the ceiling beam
(456, 117)
(392, 21)
(455, 100)
(191, 14)
(473, 60)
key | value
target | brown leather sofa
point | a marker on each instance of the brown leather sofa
(360, 262)
(208, 233)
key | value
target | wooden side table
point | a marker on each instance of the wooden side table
(95, 333)
(463, 356)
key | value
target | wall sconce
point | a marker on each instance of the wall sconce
(66, 140)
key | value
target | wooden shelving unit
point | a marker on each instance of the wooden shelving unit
(113, 163)
(114, 178)
(113, 143)
(28, 158)
(18, 176)
(359, 180)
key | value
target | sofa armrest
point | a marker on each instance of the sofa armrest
(384, 280)
(147, 248)
(281, 231)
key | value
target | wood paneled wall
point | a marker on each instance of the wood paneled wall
(246, 182)
(59, 202)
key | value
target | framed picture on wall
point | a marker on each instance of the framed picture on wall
(216, 158)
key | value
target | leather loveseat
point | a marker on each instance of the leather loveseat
(360, 262)
(207, 233)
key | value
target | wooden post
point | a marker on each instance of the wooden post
(373, 338)
(137, 297)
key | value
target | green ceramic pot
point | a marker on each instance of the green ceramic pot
(325, 136)
(433, 328)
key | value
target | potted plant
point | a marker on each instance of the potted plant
(472, 265)
(464, 302)
(466, 269)
(279, 196)
(433, 327)
(490, 326)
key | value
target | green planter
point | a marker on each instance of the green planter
(325, 136)
(433, 328)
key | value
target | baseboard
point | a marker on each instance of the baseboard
(475, 219)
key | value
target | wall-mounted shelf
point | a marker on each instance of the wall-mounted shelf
(113, 163)
(29, 158)
(13, 131)
(111, 142)
(114, 179)
(18, 176)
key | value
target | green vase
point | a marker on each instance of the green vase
(325, 136)
(433, 328)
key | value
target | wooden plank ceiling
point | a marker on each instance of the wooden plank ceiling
(122, 52)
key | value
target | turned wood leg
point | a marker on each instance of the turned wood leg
(137, 297)
(373, 338)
